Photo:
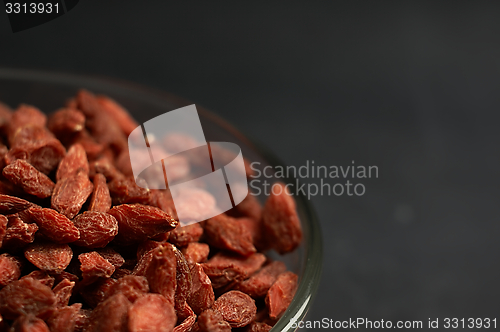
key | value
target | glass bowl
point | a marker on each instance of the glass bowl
(48, 91)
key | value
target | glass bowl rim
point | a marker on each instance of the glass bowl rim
(311, 275)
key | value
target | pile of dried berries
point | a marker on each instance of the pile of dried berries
(83, 248)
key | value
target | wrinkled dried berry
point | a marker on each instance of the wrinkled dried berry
(152, 312)
(133, 287)
(125, 191)
(161, 272)
(3, 227)
(96, 229)
(183, 280)
(26, 296)
(258, 284)
(63, 291)
(51, 257)
(74, 161)
(139, 222)
(187, 317)
(100, 200)
(37, 146)
(64, 319)
(41, 276)
(224, 269)
(212, 321)
(112, 256)
(183, 235)
(110, 315)
(196, 252)
(280, 220)
(10, 269)
(54, 225)
(202, 295)
(70, 193)
(118, 113)
(11, 204)
(237, 308)
(31, 180)
(94, 265)
(281, 293)
(18, 233)
(66, 122)
(29, 323)
(226, 233)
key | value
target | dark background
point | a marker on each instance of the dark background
(413, 88)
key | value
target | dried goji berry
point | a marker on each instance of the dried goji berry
(99, 122)
(118, 113)
(182, 235)
(54, 226)
(125, 190)
(281, 293)
(183, 281)
(66, 122)
(133, 287)
(105, 166)
(41, 276)
(70, 193)
(94, 265)
(82, 320)
(96, 292)
(280, 220)
(51, 257)
(152, 312)
(11, 204)
(29, 323)
(10, 269)
(92, 148)
(64, 319)
(96, 229)
(223, 269)
(110, 315)
(161, 272)
(196, 252)
(31, 180)
(112, 256)
(187, 317)
(26, 296)
(36, 145)
(63, 291)
(254, 227)
(3, 227)
(212, 321)
(202, 295)
(225, 232)
(74, 161)
(100, 200)
(26, 115)
(18, 233)
(258, 284)
(139, 222)
(237, 308)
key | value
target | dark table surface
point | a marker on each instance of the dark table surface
(413, 88)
